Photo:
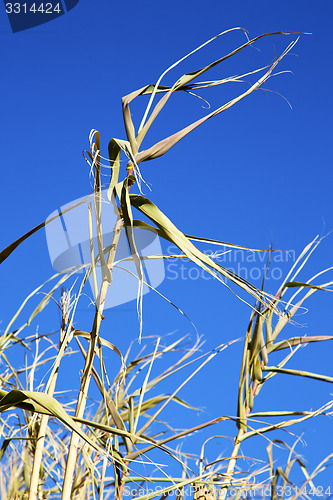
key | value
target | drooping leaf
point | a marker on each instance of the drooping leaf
(50, 404)
(183, 83)
(163, 146)
(5, 253)
(151, 211)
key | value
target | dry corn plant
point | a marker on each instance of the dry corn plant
(117, 444)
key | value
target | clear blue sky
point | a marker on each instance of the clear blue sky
(258, 172)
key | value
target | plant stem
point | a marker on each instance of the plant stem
(82, 398)
(33, 493)
(34, 480)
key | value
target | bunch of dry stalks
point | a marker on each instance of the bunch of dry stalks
(118, 447)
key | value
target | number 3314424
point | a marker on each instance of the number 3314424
(35, 8)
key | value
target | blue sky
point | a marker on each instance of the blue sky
(257, 173)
